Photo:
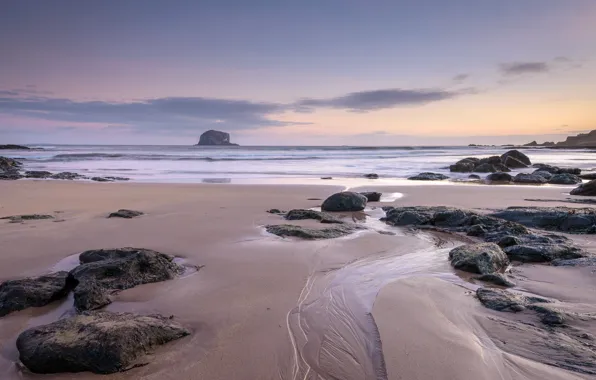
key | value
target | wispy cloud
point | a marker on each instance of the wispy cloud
(521, 68)
(460, 78)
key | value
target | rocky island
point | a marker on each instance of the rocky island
(582, 140)
(215, 138)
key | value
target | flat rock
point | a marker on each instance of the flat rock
(301, 214)
(22, 218)
(107, 270)
(585, 189)
(124, 213)
(38, 174)
(372, 196)
(588, 176)
(529, 178)
(345, 201)
(427, 176)
(483, 258)
(33, 292)
(13, 147)
(99, 342)
(290, 230)
(67, 176)
(581, 262)
(566, 219)
(501, 300)
(538, 253)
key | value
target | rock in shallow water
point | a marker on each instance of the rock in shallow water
(497, 279)
(529, 178)
(372, 196)
(302, 214)
(290, 230)
(567, 219)
(345, 201)
(124, 213)
(22, 218)
(565, 179)
(483, 258)
(427, 176)
(38, 174)
(517, 155)
(499, 177)
(99, 342)
(33, 292)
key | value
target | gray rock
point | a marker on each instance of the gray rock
(9, 164)
(345, 201)
(33, 292)
(529, 178)
(466, 165)
(574, 171)
(485, 168)
(38, 174)
(585, 189)
(542, 253)
(543, 173)
(103, 271)
(301, 214)
(588, 176)
(476, 230)
(67, 176)
(581, 262)
(514, 163)
(573, 220)
(99, 342)
(217, 138)
(565, 179)
(22, 218)
(501, 300)
(372, 196)
(548, 314)
(10, 175)
(124, 213)
(499, 177)
(428, 177)
(480, 258)
(371, 176)
(519, 156)
(497, 279)
(290, 230)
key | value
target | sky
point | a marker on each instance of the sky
(309, 72)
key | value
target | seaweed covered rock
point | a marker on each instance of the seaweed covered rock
(9, 164)
(345, 201)
(99, 342)
(33, 292)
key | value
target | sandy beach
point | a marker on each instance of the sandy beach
(371, 305)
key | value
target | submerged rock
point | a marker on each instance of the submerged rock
(372, 196)
(345, 201)
(38, 174)
(323, 217)
(33, 292)
(105, 270)
(473, 176)
(124, 213)
(290, 230)
(99, 342)
(13, 147)
(585, 189)
(483, 258)
(427, 176)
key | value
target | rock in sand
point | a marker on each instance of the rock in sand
(345, 201)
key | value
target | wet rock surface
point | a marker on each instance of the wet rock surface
(8, 164)
(372, 196)
(512, 159)
(565, 179)
(301, 214)
(107, 270)
(497, 279)
(529, 178)
(25, 217)
(39, 291)
(371, 176)
(427, 176)
(41, 174)
(345, 201)
(67, 176)
(125, 213)
(13, 147)
(585, 189)
(566, 219)
(499, 177)
(501, 300)
(290, 230)
(483, 258)
(99, 342)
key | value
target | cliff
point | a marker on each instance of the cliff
(215, 138)
(581, 140)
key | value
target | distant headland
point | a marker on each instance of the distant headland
(215, 138)
(582, 140)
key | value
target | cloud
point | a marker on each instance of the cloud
(365, 101)
(521, 68)
(460, 78)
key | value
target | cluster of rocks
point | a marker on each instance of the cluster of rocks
(512, 159)
(13, 147)
(116, 339)
(10, 169)
(566, 219)
(517, 241)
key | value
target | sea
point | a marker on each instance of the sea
(271, 164)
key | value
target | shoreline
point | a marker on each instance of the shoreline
(243, 297)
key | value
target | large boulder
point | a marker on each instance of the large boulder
(529, 178)
(543, 173)
(33, 292)
(514, 163)
(345, 201)
(517, 155)
(428, 177)
(483, 258)
(585, 189)
(217, 138)
(485, 168)
(465, 165)
(565, 179)
(499, 177)
(99, 342)
(106, 270)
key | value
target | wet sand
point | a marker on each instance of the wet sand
(268, 308)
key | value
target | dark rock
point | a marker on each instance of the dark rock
(38, 174)
(372, 196)
(22, 218)
(10, 175)
(548, 315)
(9, 164)
(493, 160)
(67, 176)
(323, 217)
(547, 168)
(371, 176)
(13, 147)
(573, 220)
(588, 176)
(519, 156)
(514, 163)
(407, 218)
(99, 342)
(543, 173)
(585, 189)
(474, 176)
(499, 177)
(502, 168)
(428, 177)
(476, 230)
(538, 253)
(581, 262)
(213, 137)
(275, 211)
(501, 300)
(326, 177)
(497, 279)
(117, 178)
(529, 178)
(466, 165)
(508, 241)
(345, 201)
(565, 179)
(33, 292)
(105, 270)
(480, 258)
(485, 168)
(574, 171)
(100, 179)
(123, 213)
(290, 230)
